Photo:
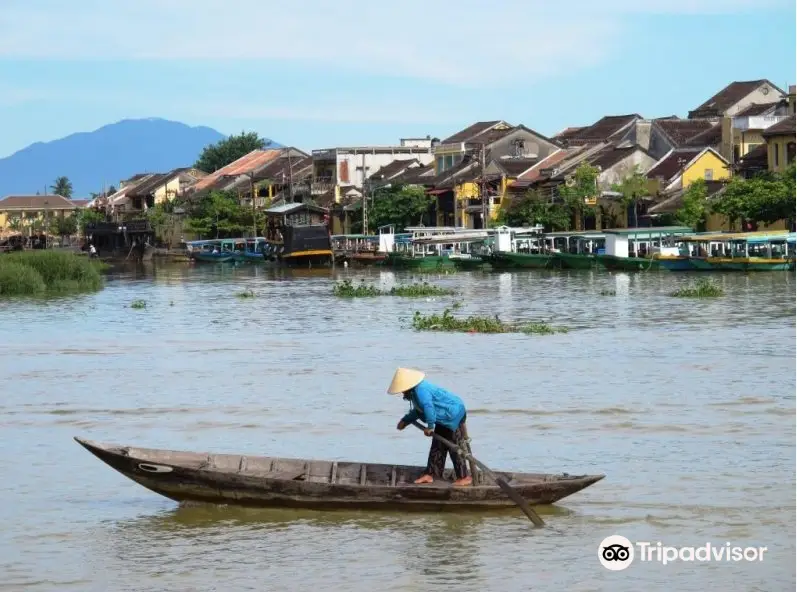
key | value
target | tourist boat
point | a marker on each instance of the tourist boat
(522, 248)
(739, 251)
(361, 249)
(427, 248)
(250, 250)
(297, 235)
(640, 249)
(261, 481)
(577, 249)
(212, 251)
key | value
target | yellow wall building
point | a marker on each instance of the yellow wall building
(780, 139)
(22, 213)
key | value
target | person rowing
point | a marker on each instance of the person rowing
(443, 412)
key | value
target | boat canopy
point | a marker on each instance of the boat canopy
(763, 236)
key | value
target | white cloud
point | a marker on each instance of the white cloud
(469, 43)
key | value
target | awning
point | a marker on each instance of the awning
(438, 191)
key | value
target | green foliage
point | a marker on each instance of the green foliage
(34, 273)
(478, 324)
(63, 226)
(583, 185)
(765, 198)
(220, 215)
(88, 216)
(62, 186)
(693, 211)
(402, 205)
(246, 294)
(164, 222)
(632, 187)
(531, 209)
(346, 289)
(138, 304)
(223, 152)
(703, 288)
(608, 293)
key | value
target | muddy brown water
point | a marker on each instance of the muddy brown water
(688, 407)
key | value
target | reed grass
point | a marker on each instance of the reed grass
(347, 289)
(702, 288)
(44, 272)
(478, 324)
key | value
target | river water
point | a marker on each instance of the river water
(687, 407)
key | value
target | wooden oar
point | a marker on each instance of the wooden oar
(511, 493)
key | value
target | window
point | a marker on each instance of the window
(708, 174)
(440, 164)
(751, 147)
(790, 152)
(449, 162)
(776, 158)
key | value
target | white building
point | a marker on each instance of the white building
(339, 170)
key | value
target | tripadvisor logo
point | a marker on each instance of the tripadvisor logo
(616, 553)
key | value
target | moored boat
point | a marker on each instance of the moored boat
(640, 249)
(297, 235)
(212, 251)
(251, 250)
(521, 248)
(740, 251)
(576, 249)
(261, 481)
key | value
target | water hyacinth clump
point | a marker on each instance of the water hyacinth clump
(478, 324)
(138, 304)
(608, 293)
(44, 272)
(703, 288)
(346, 289)
(246, 294)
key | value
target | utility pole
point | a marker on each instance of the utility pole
(254, 211)
(485, 199)
(290, 175)
(366, 186)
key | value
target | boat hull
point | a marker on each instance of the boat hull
(614, 263)
(301, 483)
(430, 262)
(578, 261)
(740, 264)
(675, 264)
(367, 258)
(469, 263)
(505, 260)
(211, 258)
(248, 256)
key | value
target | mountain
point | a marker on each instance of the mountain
(107, 155)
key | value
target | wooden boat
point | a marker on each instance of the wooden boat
(212, 251)
(637, 249)
(262, 481)
(297, 235)
(740, 251)
(520, 248)
(576, 249)
(250, 251)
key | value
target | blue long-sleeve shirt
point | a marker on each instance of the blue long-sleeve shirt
(434, 404)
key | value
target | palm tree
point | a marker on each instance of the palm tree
(62, 187)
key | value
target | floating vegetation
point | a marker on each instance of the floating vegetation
(346, 289)
(702, 288)
(138, 304)
(45, 272)
(246, 294)
(478, 324)
(608, 293)
(456, 305)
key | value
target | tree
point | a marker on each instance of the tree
(400, 205)
(632, 188)
(765, 199)
(62, 186)
(220, 215)
(88, 216)
(693, 211)
(223, 152)
(530, 209)
(582, 186)
(63, 226)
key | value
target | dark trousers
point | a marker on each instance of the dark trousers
(438, 452)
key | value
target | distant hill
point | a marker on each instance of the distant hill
(109, 154)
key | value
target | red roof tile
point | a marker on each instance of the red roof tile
(248, 163)
(785, 127)
(51, 202)
(717, 105)
(676, 160)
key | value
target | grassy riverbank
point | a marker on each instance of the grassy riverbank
(42, 273)
(478, 324)
(346, 289)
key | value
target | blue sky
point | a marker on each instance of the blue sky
(316, 73)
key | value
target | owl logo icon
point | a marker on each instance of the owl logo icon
(616, 552)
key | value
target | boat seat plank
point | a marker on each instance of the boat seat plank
(363, 474)
(333, 476)
(393, 477)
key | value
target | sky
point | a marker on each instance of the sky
(319, 74)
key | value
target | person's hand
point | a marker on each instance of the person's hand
(428, 431)
(401, 425)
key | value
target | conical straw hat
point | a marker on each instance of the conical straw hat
(404, 379)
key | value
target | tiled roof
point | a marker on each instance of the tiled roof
(680, 131)
(442, 180)
(549, 161)
(672, 204)
(755, 159)
(514, 167)
(394, 168)
(712, 137)
(470, 132)
(249, 163)
(23, 202)
(611, 155)
(416, 176)
(756, 109)
(673, 162)
(603, 129)
(149, 185)
(784, 127)
(81, 203)
(569, 132)
(727, 98)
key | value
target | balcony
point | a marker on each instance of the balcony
(756, 122)
(321, 185)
